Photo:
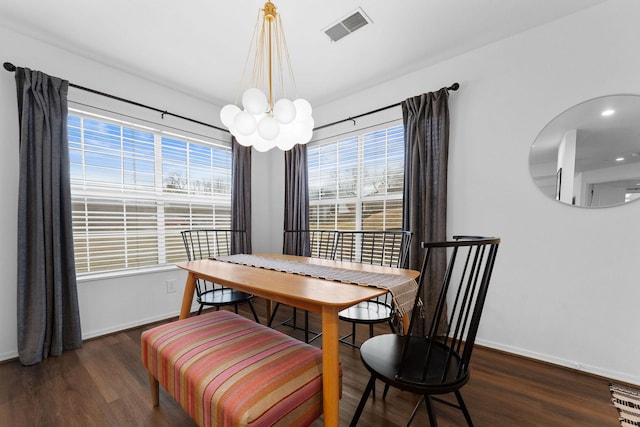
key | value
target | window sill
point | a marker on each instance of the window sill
(89, 277)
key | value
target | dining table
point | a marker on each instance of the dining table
(319, 295)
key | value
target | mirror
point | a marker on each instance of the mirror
(589, 155)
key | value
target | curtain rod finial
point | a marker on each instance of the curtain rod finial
(9, 66)
(454, 86)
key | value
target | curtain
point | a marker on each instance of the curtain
(48, 313)
(426, 124)
(240, 197)
(296, 201)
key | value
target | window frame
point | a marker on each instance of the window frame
(358, 200)
(160, 199)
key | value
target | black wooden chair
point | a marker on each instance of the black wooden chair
(433, 357)
(202, 244)
(387, 248)
(313, 243)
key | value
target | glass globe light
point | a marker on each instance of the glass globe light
(255, 101)
(244, 123)
(268, 128)
(284, 111)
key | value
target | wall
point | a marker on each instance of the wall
(106, 304)
(565, 288)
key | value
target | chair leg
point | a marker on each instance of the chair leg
(200, 309)
(415, 411)
(273, 314)
(363, 401)
(432, 415)
(306, 327)
(463, 407)
(386, 390)
(370, 330)
(353, 334)
(253, 310)
(235, 308)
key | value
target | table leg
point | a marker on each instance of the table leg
(187, 297)
(406, 319)
(330, 366)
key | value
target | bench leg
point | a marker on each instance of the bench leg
(155, 390)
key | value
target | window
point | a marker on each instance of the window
(134, 189)
(356, 183)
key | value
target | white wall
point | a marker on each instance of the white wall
(564, 289)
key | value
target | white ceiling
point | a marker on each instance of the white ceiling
(199, 47)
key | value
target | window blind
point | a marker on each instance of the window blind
(356, 183)
(135, 188)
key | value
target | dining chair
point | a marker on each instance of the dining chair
(210, 243)
(312, 243)
(376, 247)
(434, 356)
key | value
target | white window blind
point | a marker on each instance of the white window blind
(356, 183)
(135, 188)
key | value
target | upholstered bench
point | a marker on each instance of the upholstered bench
(226, 370)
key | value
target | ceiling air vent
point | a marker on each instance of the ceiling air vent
(348, 25)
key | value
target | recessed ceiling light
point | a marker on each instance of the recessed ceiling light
(609, 112)
(619, 159)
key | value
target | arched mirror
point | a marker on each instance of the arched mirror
(589, 155)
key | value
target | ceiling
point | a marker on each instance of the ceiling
(199, 47)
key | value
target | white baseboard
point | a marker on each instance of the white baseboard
(135, 324)
(595, 370)
(8, 355)
(110, 330)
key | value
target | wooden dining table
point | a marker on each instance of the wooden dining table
(325, 297)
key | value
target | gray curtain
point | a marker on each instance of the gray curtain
(296, 201)
(426, 126)
(240, 196)
(48, 314)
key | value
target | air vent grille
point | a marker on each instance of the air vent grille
(348, 25)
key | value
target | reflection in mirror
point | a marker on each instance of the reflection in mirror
(590, 154)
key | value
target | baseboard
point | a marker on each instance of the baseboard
(130, 325)
(593, 370)
(13, 355)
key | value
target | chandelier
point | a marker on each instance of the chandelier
(263, 122)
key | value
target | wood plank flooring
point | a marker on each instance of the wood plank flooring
(105, 384)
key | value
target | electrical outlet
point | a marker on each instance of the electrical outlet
(171, 286)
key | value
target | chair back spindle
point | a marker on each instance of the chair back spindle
(209, 243)
(461, 299)
(377, 247)
(312, 243)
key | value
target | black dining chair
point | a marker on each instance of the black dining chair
(376, 247)
(312, 243)
(203, 244)
(433, 357)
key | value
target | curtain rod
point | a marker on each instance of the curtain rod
(10, 67)
(453, 87)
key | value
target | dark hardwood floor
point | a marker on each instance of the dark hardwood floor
(105, 384)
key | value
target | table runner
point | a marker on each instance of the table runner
(402, 288)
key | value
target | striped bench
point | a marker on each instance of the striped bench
(226, 370)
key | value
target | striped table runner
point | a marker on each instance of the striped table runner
(403, 289)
